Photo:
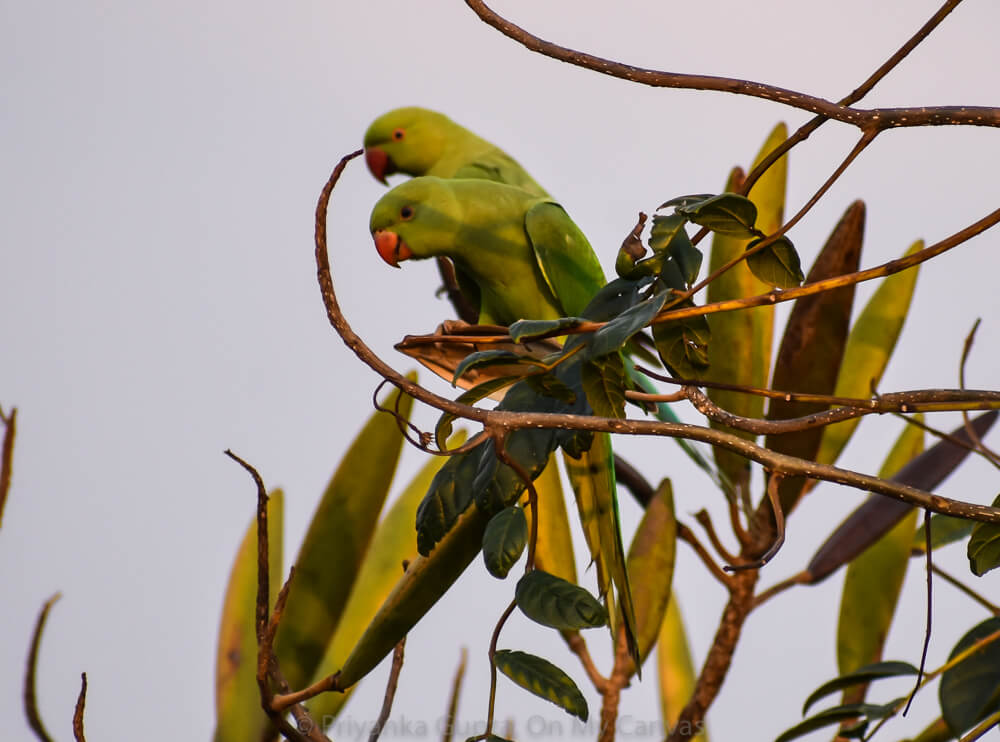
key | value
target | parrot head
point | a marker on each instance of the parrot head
(406, 140)
(417, 219)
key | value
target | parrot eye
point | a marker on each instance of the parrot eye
(406, 213)
(398, 134)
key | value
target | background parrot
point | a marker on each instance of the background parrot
(528, 260)
(418, 141)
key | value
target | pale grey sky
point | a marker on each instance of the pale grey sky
(159, 304)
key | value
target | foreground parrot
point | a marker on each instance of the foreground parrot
(528, 260)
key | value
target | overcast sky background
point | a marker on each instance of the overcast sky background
(161, 162)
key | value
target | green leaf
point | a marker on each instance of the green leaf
(442, 430)
(875, 577)
(984, 546)
(604, 384)
(485, 358)
(812, 347)
(836, 715)
(945, 529)
(970, 691)
(416, 592)
(237, 697)
(683, 345)
(614, 298)
(542, 678)
(552, 601)
(777, 264)
(686, 200)
(449, 496)
(497, 485)
(394, 542)
(616, 332)
(650, 566)
(550, 385)
(869, 347)
(504, 540)
(335, 544)
(529, 329)
(665, 229)
(862, 675)
(727, 213)
(669, 236)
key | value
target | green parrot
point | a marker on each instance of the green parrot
(418, 141)
(529, 261)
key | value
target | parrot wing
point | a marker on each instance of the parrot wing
(566, 259)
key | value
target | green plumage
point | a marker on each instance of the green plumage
(529, 261)
(418, 141)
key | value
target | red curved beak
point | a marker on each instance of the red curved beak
(379, 164)
(390, 248)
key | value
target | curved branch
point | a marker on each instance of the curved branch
(505, 421)
(865, 119)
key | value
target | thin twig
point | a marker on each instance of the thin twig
(982, 727)
(901, 402)
(493, 664)
(578, 646)
(30, 697)
(456, 688)
(81, 702)
(962, 587)
(499, 443)
(390, 691)
(773, 483)
(989, 454)
(927, 633)
(705, 521)
(686, 535)
(929, 400)
(802, 578)
(7, 455)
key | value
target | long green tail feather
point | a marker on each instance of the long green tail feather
(592, 477)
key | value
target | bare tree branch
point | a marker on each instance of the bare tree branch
(7, 455)
(81, 702)
(865, 119)
(30, 673)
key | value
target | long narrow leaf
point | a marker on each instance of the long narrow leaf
(338, 536)
(874, 579)
(876, 515)
(651, 566)
(382, 568)
(869, 346)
